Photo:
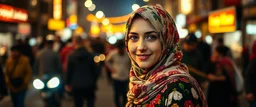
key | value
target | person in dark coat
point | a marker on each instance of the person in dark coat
(220, 42)
(82, 73)
(250, 80)
(3, 88)
(192, 56)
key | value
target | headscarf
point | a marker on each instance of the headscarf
(146, 84)
(253, 55)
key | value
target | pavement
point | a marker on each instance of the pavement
(104, 97)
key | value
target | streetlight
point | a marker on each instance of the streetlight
(105, 21)
(135, 7)
(99, 14)
(87, 3)
(92, 7)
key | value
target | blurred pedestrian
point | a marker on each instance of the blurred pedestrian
(26, 50)
(205, 50)
(222, 88)
(108, 48)
(48, 61)
(57, 44)
(220, 42)
(250, 80)
(157, 77)
(64, 53)
(119, 64)
(18, 75)
(3, 87)
(82, 73)
(246, 58)
(48, 64)
(193, 58)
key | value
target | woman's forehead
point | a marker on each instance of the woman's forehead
(141, 24)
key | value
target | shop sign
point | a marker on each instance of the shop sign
(249, 12)
(56, 24)
(12, 14)
(57, 9)
(221, 21)
(24, 28)
(186, 6)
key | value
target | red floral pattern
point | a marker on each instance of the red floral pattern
(188, 103)
(157, 99)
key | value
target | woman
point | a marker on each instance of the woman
(157, 78)
(222, 90)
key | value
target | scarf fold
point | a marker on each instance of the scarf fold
(145, 85)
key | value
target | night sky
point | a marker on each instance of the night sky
(112, 8)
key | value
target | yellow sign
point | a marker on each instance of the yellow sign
(186, 6)
(222, 21)
(57, 9)
(56, 24)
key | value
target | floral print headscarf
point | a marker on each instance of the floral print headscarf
(146, 84)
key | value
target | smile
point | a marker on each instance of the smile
(143, 57)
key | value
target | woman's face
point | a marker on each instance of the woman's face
(215, 55)
(143, 43)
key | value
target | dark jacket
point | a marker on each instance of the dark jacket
(3, 88)
(194, 59)
(82, 72)
(250, 78)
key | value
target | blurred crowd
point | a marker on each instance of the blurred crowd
(76, 63)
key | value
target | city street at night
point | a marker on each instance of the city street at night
(104, 97)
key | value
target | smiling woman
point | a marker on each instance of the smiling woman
(144, 44)
(157, 78)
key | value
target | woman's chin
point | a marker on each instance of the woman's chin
(144, 65)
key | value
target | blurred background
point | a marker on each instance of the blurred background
(103, 23)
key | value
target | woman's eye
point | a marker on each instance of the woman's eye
(133, 38)
(151, 37)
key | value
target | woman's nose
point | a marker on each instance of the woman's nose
(141, 45)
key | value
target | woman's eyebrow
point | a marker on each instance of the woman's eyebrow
(133, 33)
(149, 32)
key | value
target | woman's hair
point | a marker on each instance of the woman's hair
(221, 50)
(16, 48)
(120, 44)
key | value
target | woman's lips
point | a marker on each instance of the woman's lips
(143, 57)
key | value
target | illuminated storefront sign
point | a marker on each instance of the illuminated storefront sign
(222, 20)
(24, 28)
(57, 9)
(186, 6)
(72, 22)
(12, 14)
(56, 24)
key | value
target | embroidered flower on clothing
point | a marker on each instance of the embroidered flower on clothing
(173, 95)
(188, 103)
(197, 105)
(194, 93)
(168, 101)
(177, 95)
(175, 105)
